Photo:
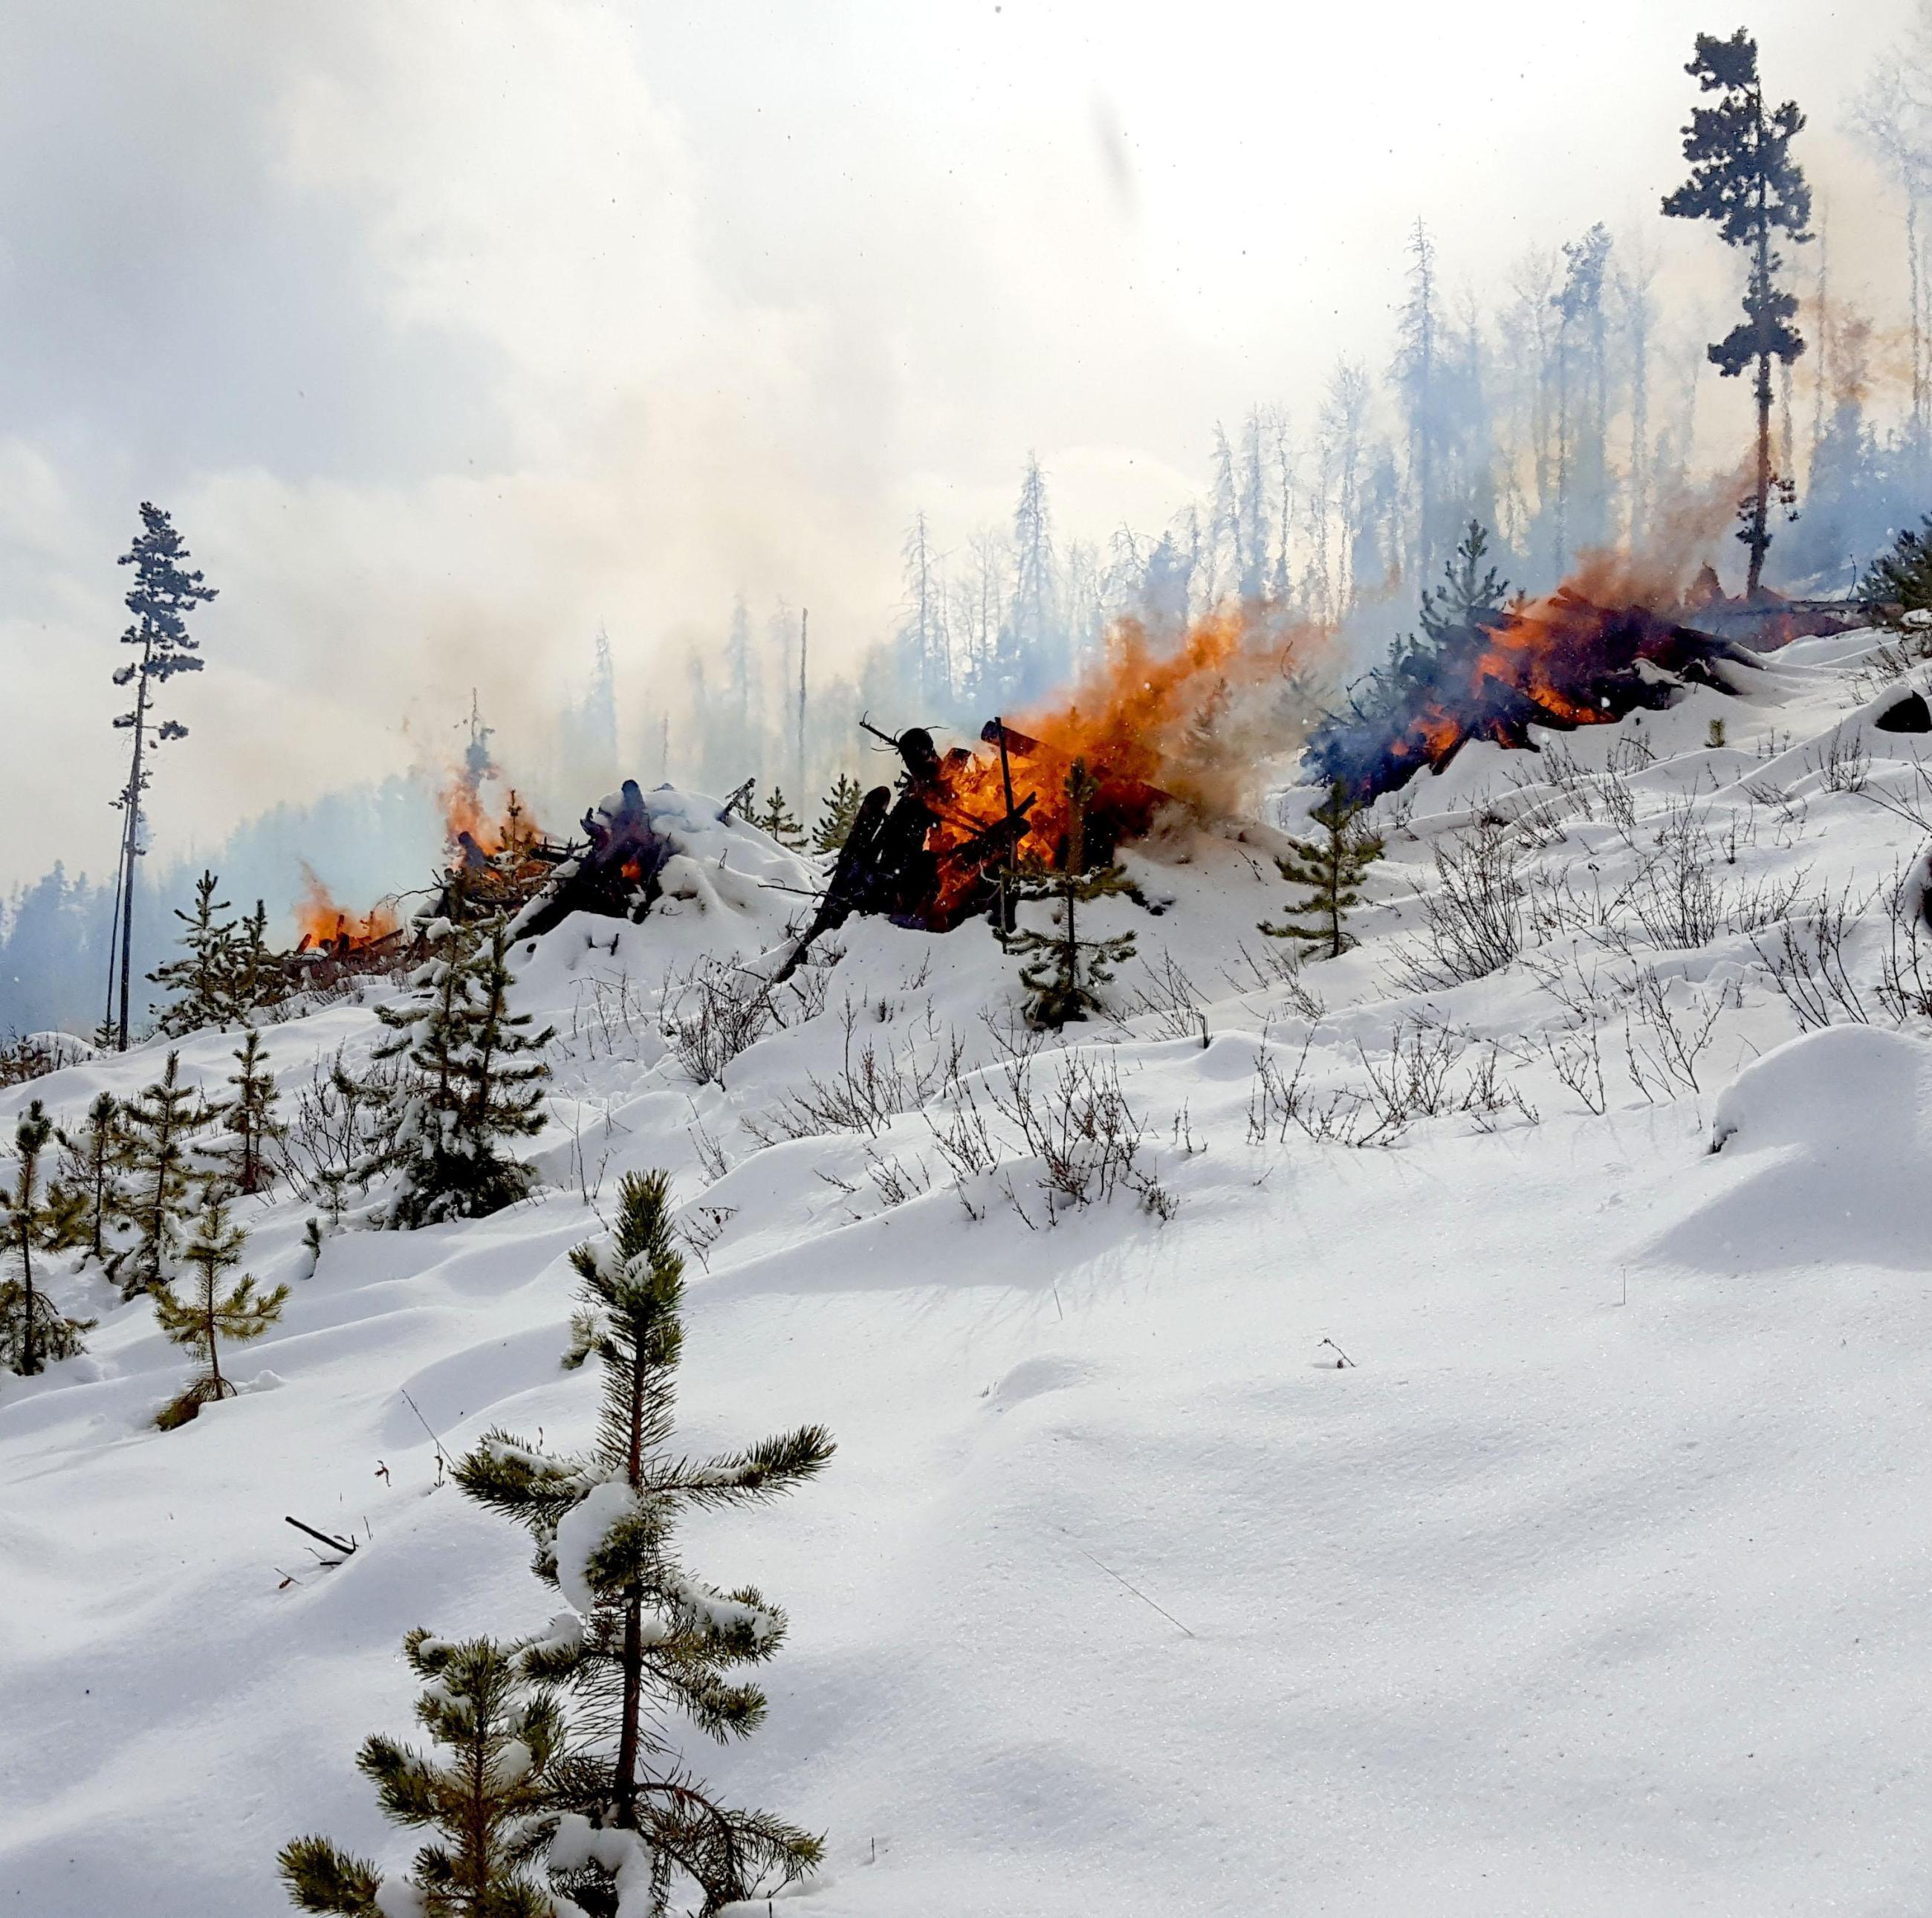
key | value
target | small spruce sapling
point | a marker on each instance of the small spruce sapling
(837, 811)
(255, 981)
(208, 1315)
(469, 1078)
(1065, 969)
(652, 1637)
(488, 1801)
(1329, 869)
(249, 1119)
(777, 820)
(159, 1125)
(202, 980)
(31, 1331)
(91, 1161)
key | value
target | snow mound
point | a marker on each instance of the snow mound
(1822, 1144)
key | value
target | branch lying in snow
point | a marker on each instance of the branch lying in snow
(346, 1546)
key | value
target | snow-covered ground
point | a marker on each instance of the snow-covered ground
(1599, 1581)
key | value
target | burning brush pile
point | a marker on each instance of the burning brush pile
(1589, 654)
(1163, 732)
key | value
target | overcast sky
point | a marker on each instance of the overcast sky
(447, 328)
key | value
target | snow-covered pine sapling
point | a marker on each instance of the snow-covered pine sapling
(91, 1162)
(1329, 870)
(1060, 982)
(652, 1636)
(208, 1315)
(249, 1119)
(255, 980)
(159, 1125)
(469, 1080)
(836, 811)
(202, 980)
(489, 1801)
(776, 819)
(31, 1331)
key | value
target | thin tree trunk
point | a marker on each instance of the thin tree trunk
(29, 1363)
(133, 846)
(626, 1794)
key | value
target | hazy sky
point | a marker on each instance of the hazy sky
(447, 328)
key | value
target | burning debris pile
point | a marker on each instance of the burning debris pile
(1161, 732)
(1559, 663)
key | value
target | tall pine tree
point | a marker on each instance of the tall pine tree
(653, 1637)
(1743, 178)
(164, 593)
(208, 1314)
(1329, 869)
(489, 1801)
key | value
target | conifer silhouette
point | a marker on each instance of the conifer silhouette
(91, 1162)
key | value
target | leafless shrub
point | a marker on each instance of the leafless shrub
(1844, 765)
(1662, 1043)
(1171, 1000)
(960, 1131)
(1411, 1082)
(877, 1081)
(1807, 963)
(1904, 989)
(711, 1155)
(340, 1126)
(1276, 968)
(1913, 805)
(1086, 1136)
(1488, 1096)
(1676, 897)
(606, 1011)
(711, 1015)
(894, 1179)
(1279, 1096)
(701, 1227)
(1577, 1057)
(1474, 919)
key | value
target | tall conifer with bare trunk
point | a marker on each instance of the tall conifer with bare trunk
(164, 593)
(1743, 179)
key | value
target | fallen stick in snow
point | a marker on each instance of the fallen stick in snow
(346, 1546)
(1134, 1588)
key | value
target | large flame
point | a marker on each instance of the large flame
(1193, 722)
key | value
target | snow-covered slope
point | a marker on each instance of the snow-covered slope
(1594, 1582)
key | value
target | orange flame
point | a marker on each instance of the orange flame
(1192, 722)
(321, 923)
